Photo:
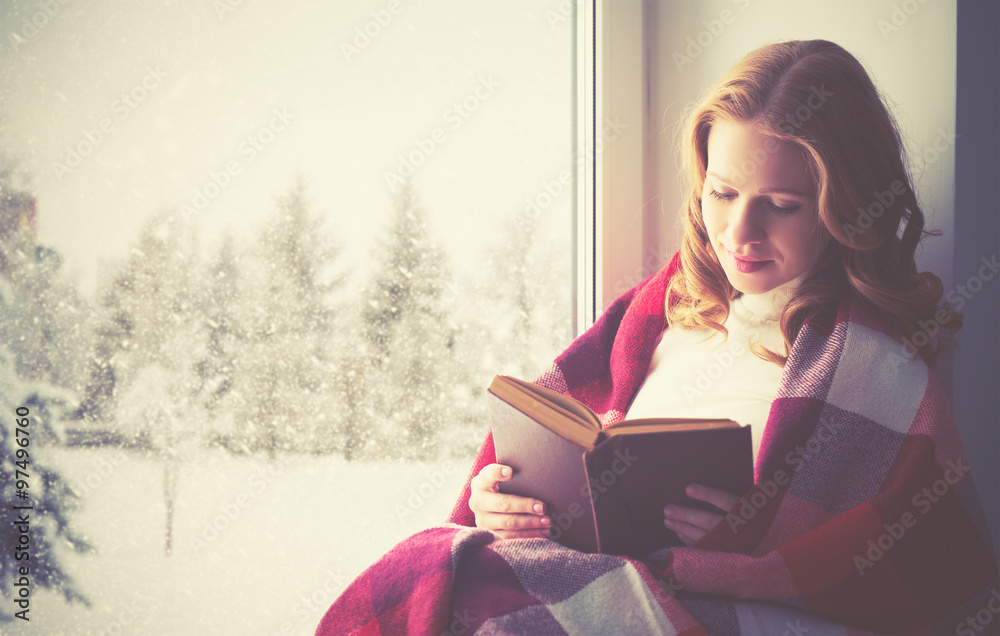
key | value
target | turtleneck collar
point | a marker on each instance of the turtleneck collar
(767, 306)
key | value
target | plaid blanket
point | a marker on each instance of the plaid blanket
(864, 517)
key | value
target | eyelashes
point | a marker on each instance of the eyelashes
(729, 197)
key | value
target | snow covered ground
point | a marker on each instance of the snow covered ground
(258, 548)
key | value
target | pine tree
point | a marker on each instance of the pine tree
(411, 371)
(155, 366)
(529, 299)
(32, 410)
(112, 335)
(216, 307)
(45, 328)
(285, 374)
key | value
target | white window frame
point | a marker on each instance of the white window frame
(613, 228)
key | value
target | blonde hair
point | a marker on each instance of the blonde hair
(816, 95)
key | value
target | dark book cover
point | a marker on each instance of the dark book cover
(632, 477)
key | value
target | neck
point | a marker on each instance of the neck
(768, 305)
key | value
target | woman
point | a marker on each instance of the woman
(800, 232)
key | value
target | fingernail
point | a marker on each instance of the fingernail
(692, 490)
(546, 532)
(668, 522)
(546, 521)
(669, 510)
(538, 508)
(505, 472)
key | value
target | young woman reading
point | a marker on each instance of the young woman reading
(800, 230)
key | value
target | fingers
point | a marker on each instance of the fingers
(721, 499)
(692, 517)
(508, 516)
(692, 524)
(508, 504)
(510, 526)
(490, 476)
(487, 498)
(687, 531)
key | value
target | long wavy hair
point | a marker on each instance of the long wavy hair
(816, 95)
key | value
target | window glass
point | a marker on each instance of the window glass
(258, 263)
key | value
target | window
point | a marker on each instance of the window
(260, 262)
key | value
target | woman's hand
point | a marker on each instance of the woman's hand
(691, 524)
(508, 516)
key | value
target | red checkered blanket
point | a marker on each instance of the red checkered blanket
(864, 516)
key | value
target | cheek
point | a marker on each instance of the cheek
(802, 241)
(711, 216)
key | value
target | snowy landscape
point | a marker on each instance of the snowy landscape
(308, 526)
(258, 264)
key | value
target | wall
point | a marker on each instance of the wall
(910, 50)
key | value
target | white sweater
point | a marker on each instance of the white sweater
(690, 376)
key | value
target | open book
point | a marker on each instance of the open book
(605, 489)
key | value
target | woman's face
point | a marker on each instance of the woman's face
(759, 207)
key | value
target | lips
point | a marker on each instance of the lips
(746, 264)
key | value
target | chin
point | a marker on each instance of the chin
(751, 283)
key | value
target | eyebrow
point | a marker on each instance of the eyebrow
(763, 190)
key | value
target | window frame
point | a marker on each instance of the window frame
(613, 228)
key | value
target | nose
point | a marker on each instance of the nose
(745, 226)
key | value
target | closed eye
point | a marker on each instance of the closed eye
(729, 196)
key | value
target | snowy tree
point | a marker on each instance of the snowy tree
(32, 408)
(283, 380)
(155, 362)
(351, 431)
(411, 372)
(216, 306)
(112, 335)
(529, 293)
(45, 328)
(151, 342)
(50, 498)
